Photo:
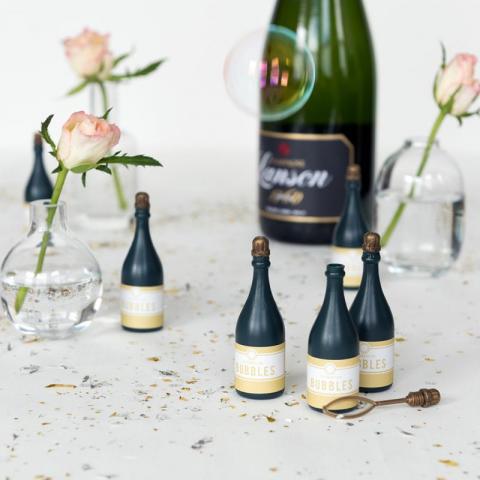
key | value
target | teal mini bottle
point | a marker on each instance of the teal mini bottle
(333, 361)
(260, 335)
(349, 232)
(142, 276)
(39, 186)
(372, 315)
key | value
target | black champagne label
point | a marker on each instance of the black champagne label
(302, 176)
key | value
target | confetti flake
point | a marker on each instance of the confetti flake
(448, 462)
(60, 385)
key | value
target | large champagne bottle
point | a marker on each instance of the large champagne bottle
(305, 156)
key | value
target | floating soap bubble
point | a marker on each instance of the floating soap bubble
(270, 73)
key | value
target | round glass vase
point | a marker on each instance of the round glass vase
(428, 237)
(65, 295)
(106, 203)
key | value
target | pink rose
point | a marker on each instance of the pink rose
(88, 54)
(459, 72)
(85, 140)
(464, 98)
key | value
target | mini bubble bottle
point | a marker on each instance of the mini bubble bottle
(39, 186)
(372, 315)
(333, 361)
(260, 335)
(348, 234)
(142, 276)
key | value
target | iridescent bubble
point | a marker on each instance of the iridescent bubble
(270, 73)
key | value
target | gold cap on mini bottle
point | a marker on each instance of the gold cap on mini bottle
(142, 200)
(260, 247)
(371, 242)
(353, 172)
(37, 139)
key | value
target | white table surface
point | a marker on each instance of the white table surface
(130, 417)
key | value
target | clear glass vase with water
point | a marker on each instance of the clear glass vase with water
(64, 296)
(428, 238)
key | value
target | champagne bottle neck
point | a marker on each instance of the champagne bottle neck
(260, 281)
(371, 277)
(142, 228)
(38, 159)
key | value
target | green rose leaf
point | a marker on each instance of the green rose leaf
(46, 136)
(120, 59)
(104, 168)
(141, 72)
(78, 88)
(82, 168)
(135, 160)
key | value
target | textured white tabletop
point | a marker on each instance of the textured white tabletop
(161, 405)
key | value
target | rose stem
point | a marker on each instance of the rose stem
(423, 163)
(57, 190)
(122, 201)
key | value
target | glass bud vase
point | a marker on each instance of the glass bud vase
(63, 297)
(106, 203)
(428, 238)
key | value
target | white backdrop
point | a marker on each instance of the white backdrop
(184, 106)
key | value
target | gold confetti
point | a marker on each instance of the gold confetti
(449, 463)
(183, 399)
(429, 359)
(243, 415)
(190, 382)
(400, 339)
(60, 385)
(270, 419)
(153, 359)
(437, 445)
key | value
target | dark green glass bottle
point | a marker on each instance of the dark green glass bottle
(333, 362)
(142, 276)
(335, 127)
(260, 335)
(372, 315)
(39, 186)
(349, 232)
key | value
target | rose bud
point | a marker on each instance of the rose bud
(464, 98)
(459, 72)
(88, 54)
(85, 140)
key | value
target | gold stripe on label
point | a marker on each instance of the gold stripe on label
(352, 281)
(343, 250)
(344, 363)
(155, 288)
(260, 386)
(316, 137)
(142, 321)
(375, 380)
(298, 218)
(319, 401)
(260, 350)
(381, 343)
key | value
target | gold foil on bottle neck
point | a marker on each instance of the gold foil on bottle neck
(142, 200)
(371, 242)
(353, 172)
(37, 139)
(260, 247)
